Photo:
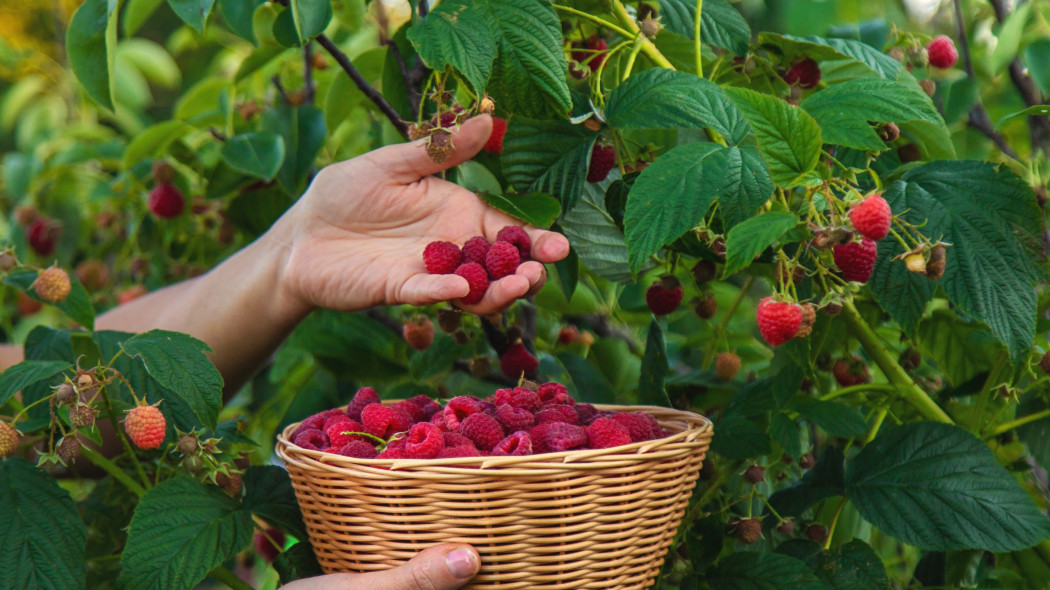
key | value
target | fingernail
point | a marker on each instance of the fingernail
(461, 563)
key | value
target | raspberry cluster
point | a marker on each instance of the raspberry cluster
(526, 420)
(480, 261)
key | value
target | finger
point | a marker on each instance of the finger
(536, 279)
(444, 567)
(424, 289)
(499, 296)
(408, 162)
(547, 246)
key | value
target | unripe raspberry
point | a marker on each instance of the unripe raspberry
(650, 27)
(727, 365)
(193, 465)
(749, 530)
(449, 320)
(68, 450)
(807, 461)
(93, 274)
(486, 106)
(786, 527)
(419, 333)
(850, 372)
(163, 172)
(439, 145)
(817, 533)
(568, 334)
(231, 484)
(935, 267)
(928, 86)
(82, 416)
(166, 201)
(705, 271)
(188, 444)
(25, 215)
(7, 261)
(64, 394)
(145, 426)
(942, 53)
(8, 439)
(889, 132)
(1044, 363)
(754, 474)
(53, 285)
(707, 307)
(809, 317)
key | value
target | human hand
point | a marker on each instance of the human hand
(356, 237)
(444, 567)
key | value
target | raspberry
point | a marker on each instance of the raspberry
(754, 474)
(604, 433)
(415, 413)
(935, 267)
(856, 260)
(526, 399)
(457, 452)
(513, 419)
(554, 393)
(817, 533)
(749, 530)
(145, 426)
(942, 52)
(517, 360)
(809, 316)
(515, 444)
(93, 274)
(457, 409)
(419, 333)
(333, 420)
(81, 416)
(188, 444)
(311, 439)
(53, 285)
(502, 260)
(339, 434)
(519, 237)
(727, 365)
(786, 527)
(585, 413)
(163, 172)
(315, 422)
(603, 159)
(265, 547)
(568, 334)
(475, 250)
(707, 307)
(439, 145)
(384, 421)
(778, 321)
(449, 319)
(42, 235)
(872, 217)
(478, 280)
(424, 441)
(483, 429)
(636, 425)
(501, 396)
(705, 271)
(363, 397)
(807, 461)
(557, 413)
(849, 372)
(429, 406)
(596, 54)
(555, 437)
(495, 143)
(8, 439)
(805, 73)
(166, 201)
(438, 419)
(64, 394)
(1044, 363)
(455, 439)
(665, 296)
(442, 258)
(392, 454)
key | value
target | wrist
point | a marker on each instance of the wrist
(276, 249)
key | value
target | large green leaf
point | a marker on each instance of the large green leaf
(762, 571)
(153, 141)
(259, 154)
(180, 531)
(1035, 435)
(852, 566)
(193, 12)
(673, 194)
(939, 488)
(240, 17)
(548, 156)
(788, 137)
(268, 493)
(651, 390)
(42, 547)
(824, 481)
(26, 373)
(833, 418)
(829, 49)
(740, 438)
(538, 209)
(668, 99)
(457, 34)
(990, 217)
(297, 562)
(303, 130)
(91, 44)
(311, 17)
(595, 237)
(77, 305)
(721, 24)
(844, 111)
(959, 349)
(749, 238)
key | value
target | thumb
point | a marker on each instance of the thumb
(408, 162)
(444, 567)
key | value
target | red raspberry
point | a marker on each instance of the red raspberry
(502, 260)
(754, 474)
(265, 547)
(457, 452)
(604, 433)
(637, 426)
(554, 393)
(53, 285)
(555, 437)
(849, 372)
(517, 360)
(475, 250)
(358, 449)
(315, 422)
(414, 412)
(145, 426)
(339, 432)
(384, 421)
(856, 260)
(438, 419)
(514, 445)
(519, 237)
(42, 235)
(392, 454)
(457, 409)
(557, 413)
(455, 439)
(478, 279)
(526, 399)
(942, 52)
(501, 396)
(568, 334)
(655, 430)
(8, 439)
(166, 201)
(778, 321)
(442, 258)
(817, 533)
(805, 73)
(429, 406)
(424, 441)
(363, 397)
(585, 413)
(872, 217)
(483, 429)
(593, 58)
(664, 296)
(495, 143)
(419, 333)
(311, 439)
(512, 418)
(603, 159)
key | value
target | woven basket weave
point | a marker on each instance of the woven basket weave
(601, 519)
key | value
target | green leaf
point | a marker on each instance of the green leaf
(824, 481)
(311, 17)
(180, 531)
(852, 566)
(785, 432)
(27, 373)
(91, 43)
(669, 99)
(297, 562)
(825, 49)
(1039, 110)
(721, 24)
(762, 571)
(844, 110)
(177, 362)
(268, 493)
(437, 358)
(1037, 58)
(959, 349)
(595, 237)
(77, 305)
(153, 141)
(136, 14)
(193, 12)
(750, 238)
(788, 137)
(834, 418)
(739, 438)
(43, 542)
(1009, 38)
(258, 154)
(303, 131)
(1035, 435)
(991, 219)
(457, 34)
(937, 487)
(651, 390)
(240, 17)
(539, 209)
(591, 385)
(548, 156)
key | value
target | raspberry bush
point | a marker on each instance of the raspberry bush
(826, 236)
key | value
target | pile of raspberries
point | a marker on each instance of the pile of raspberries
(525, 420)
(479, 261)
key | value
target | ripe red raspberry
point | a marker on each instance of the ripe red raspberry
(526, 399)
(664, 296)
(457, 409)
(495, 143)
(554, 393)
(475, 250)
(311, 439)
(805, 73)
(568, 334)
(603, 159)
(483, 429)
(419, 333)
(604, 433)
(442, 258)
(778, 321)
(478, 280)
(357, 449)
(519, 237)
(265, 547)
(363, 397)
(849, 372)
(502, 260)
(8, 439)
(414, 412)
(872, 217)
(517, 360)
(555, 437)
(384, 421)
(315, 422)
(53, 285)
(596, 54)
(515, 444)
(513, 419)
(856, 260)
(754, 474)
(429, 406)
(942, 52)
(455, 439)
(585, 414)
(727, 365)
(458, 452)
(817, 533)
(636, 424)
(392, 454)
(166, 201)
(749, 530)
(557, 413)
(145, 426)
(424, 441)
(340, 432)
(42, 235)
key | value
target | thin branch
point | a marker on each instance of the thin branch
(1039, 126)
(280, 90)
(411, 78)
(423, 8)
(363, 85)
(308, 72)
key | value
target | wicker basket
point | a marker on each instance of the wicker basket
(601, 519)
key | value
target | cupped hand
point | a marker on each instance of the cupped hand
(444, 567)
(358, 233)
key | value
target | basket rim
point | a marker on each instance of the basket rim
(698, 426)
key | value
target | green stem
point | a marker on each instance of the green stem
(1008, 426)
(227, 577)
(696, 36)
(629, 67)
(26, 408)
(601, 22)
(834, 523)
(855, 388)
(709, 354)
(112, 469)
(893, 371)
(123, 437)
(628, 23)
(880, 417)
